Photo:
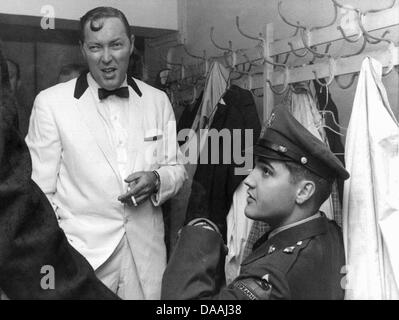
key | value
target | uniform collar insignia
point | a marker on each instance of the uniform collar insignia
(270, 120)
(271, 249)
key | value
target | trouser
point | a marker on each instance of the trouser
(119, 273)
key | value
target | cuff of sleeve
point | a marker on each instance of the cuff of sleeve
(203, 222)
(155, 198)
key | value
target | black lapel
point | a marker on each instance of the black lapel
(82, 85)
(133, 84)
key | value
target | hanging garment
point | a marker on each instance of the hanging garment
(325, 102)
(215, 87)
(188, 115)
(371, 202)
(214, 184)
(238, 228)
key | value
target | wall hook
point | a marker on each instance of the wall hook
(229, 49)
(346, 86)
(332, 67)
(391, 65)
(358, 36)
(336, 3)
(300, 55)
(334, 20)
(259, 38)
(286, 82)
(305, 35)
(298, 25)
(326, 50)
(368, 36)
(192, 55)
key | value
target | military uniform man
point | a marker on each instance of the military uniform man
(303, 254)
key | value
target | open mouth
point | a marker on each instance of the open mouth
(250, 197)
(109, 71)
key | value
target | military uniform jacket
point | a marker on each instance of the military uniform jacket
(303, 262)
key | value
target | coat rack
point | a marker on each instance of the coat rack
(258, 67)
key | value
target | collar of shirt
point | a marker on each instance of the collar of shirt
(94, 86)
(291, 225)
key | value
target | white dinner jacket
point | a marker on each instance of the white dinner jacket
(75, 165)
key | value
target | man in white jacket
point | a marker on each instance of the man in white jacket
(104, 151)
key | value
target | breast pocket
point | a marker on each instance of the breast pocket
(153, 148)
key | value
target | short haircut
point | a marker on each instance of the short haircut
(97, 14)
(68, 69)
(16, 65)
(323, 186)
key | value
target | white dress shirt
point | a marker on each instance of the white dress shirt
(114, 112)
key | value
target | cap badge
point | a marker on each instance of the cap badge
(271, 249)
(304, 160)
(282, 149)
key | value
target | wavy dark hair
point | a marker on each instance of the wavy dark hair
(95, 16)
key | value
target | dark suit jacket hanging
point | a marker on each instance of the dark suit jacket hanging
(214, 184)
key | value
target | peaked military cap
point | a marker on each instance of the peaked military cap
(284, 139)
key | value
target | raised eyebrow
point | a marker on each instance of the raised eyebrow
(115, 40)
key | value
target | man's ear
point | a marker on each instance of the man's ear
(82, 49)
(306, 190)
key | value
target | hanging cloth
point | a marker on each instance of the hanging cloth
(324, 102)
(215, 183)
(238, 228)
(371, 202)
(215, 87)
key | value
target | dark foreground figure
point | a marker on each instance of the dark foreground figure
(30, 237)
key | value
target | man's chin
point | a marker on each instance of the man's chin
(110, 83)
(249, 213)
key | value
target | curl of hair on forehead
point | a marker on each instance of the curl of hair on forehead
(96, 19)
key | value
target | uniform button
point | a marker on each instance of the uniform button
(271, 249)
(304, 160)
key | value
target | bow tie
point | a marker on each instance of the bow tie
(122, 92)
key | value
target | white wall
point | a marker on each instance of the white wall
(161, 14)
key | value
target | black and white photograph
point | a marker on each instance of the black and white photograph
(179, 150)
